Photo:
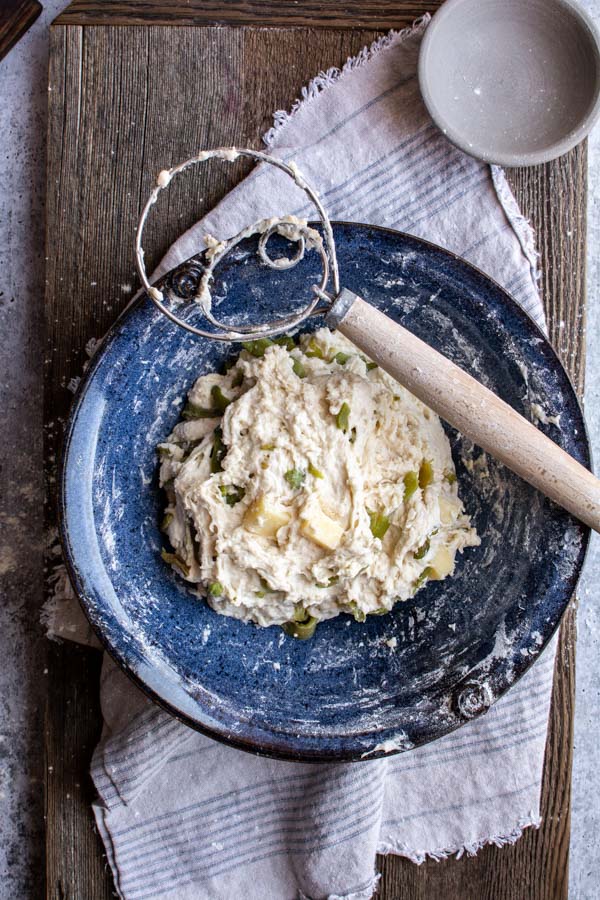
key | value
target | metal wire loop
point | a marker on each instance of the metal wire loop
(295, 230)
(282, 262)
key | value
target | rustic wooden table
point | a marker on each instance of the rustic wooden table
(135, 86)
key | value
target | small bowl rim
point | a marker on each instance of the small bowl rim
(478, 150)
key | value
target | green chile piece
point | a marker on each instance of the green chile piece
(425, 574)
(332, 581)
(295, 478)
(359, 614)
(303, 625)
(173, 560)
(285, 340)
(314, 350)
(342, 419)
(423, 550)
(411, 483)
(219, 400)
(425, 473)
(232, 494)
(299, 368)
(265, 588)
(342, 358)
(218, 451)
(191, 411)
(379, 523)
(257, 348)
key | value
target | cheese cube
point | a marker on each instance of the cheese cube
(449, 511)
(442, 563)
(265, 518)
(321, 529)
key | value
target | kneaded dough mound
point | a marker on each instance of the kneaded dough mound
(306, 482)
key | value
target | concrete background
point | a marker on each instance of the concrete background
(23, 81)
(584, 877)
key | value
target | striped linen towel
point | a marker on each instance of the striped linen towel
(185, 817)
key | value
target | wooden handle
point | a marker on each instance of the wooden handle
(470, 407)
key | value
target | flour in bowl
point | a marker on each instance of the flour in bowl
(306, 482)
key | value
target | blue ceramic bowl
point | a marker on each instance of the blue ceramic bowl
(461, 643)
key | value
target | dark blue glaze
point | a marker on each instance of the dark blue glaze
(346, 691)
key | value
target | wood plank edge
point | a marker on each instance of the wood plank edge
(230, 22)
(15, 29)
(249, 13)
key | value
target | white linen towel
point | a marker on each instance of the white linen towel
(183, 816)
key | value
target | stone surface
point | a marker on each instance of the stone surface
(23, 89)
(22, 142)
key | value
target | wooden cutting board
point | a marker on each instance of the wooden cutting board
(135, 86)
(16, 16)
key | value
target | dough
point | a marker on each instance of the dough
(305, 483)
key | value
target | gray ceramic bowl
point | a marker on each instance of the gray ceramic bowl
(514, 82)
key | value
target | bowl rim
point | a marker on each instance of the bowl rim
(479, 150)
(279, 748)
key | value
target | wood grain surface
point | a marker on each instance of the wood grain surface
(124, 103)
(16, 16)
(353, 14)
